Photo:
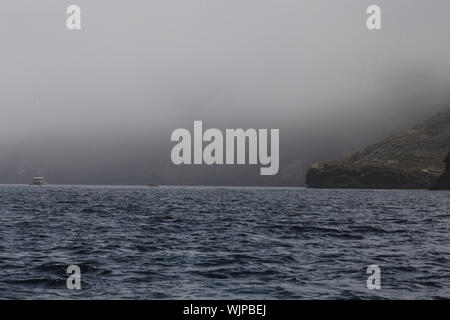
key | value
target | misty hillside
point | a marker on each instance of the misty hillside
(411, 160)
(422, 147)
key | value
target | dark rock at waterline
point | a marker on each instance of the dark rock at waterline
(443, 182)
(366, 176)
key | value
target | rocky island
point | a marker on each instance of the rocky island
(410, 160)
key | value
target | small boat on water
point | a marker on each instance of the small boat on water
(38, 180)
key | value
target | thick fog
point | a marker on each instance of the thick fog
(98, 105)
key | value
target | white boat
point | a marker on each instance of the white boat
(38, 180)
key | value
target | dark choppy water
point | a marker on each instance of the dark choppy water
(159, 243)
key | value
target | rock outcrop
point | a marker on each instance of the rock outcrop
(410, 160)
(366, 176)
(443, 182)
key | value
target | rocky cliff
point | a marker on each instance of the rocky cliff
(443, 182)
(410, 160)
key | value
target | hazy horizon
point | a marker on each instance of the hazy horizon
(97, 106)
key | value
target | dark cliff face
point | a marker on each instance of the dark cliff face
(367, 176)
(411, 160)
(443, 182)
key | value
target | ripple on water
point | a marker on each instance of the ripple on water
(159, 243)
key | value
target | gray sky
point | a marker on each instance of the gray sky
(84, 105)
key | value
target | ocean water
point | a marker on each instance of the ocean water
(222, 243)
